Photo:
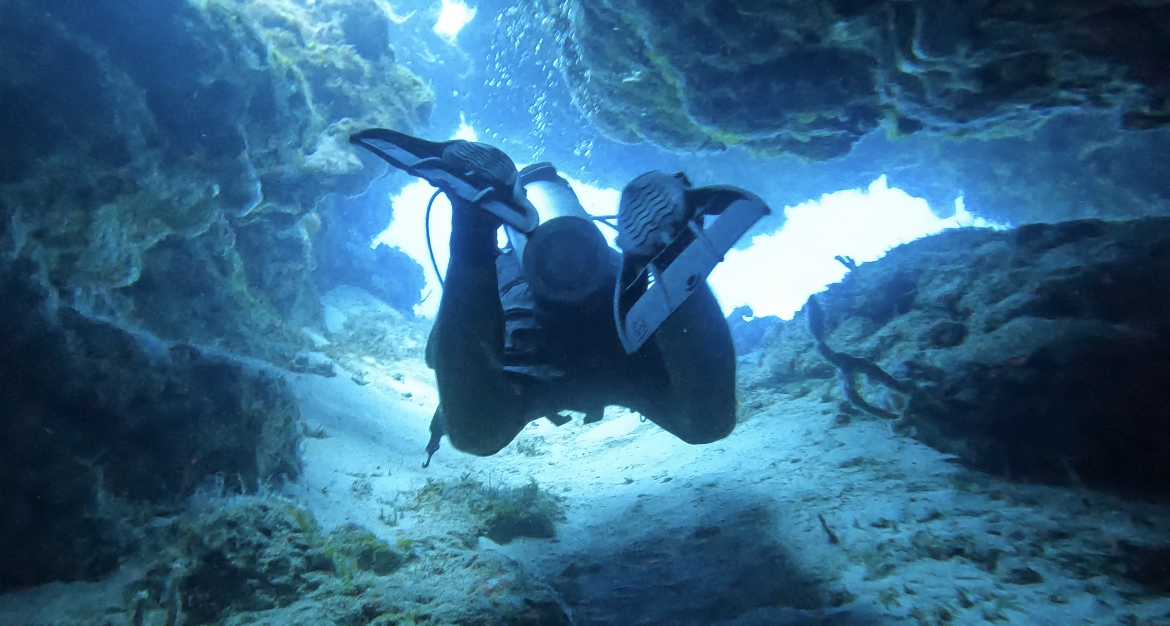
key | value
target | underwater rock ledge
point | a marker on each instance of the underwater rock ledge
(1039, 353)
(196, 146)
(812, 78)
(105, 424)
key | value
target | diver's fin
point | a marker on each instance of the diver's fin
(667, 250)
(476, 173)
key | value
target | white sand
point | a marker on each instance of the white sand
(910, 545)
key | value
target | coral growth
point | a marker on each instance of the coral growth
(500, 513)
(813, 78)
(263, 559)
(100, 417)
(1037, 353)
(215, 129)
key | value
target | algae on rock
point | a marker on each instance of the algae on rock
(104, 419)
(1038, 353)
(812, 78)
(500, 513)
(183, 118)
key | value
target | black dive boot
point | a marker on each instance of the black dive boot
(667, 250)
(476, 173)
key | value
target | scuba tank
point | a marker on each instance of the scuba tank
(565, 259)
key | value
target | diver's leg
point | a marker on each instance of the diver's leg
(695, 344)
(482, 412)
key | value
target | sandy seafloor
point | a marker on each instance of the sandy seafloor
(907, 534)
(793, 512)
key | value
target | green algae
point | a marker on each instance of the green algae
(219, 156)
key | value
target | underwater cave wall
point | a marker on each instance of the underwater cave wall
(1034, 112)
(214, 129)
(1039, 353)
(166, 170)
(105, 427)
(811, 78)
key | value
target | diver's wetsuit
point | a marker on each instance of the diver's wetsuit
(682, 379)
(575, 326)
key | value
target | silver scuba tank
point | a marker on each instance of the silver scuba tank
(565, 259)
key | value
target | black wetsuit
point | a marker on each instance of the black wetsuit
(496, 372)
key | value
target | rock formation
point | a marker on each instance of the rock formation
(1033, 112)
(811, 78)
(1037, 354)
(105, 425)
(166, 169)
(159, 155)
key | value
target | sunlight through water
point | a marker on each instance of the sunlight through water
(774, 275)
(452, 18)
(777, 273)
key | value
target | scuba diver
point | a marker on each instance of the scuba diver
(556, 320)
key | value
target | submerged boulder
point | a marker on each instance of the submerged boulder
(1039, 353)
(105, 423)
(193, 146)
(811, 78)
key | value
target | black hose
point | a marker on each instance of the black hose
(430, 248)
